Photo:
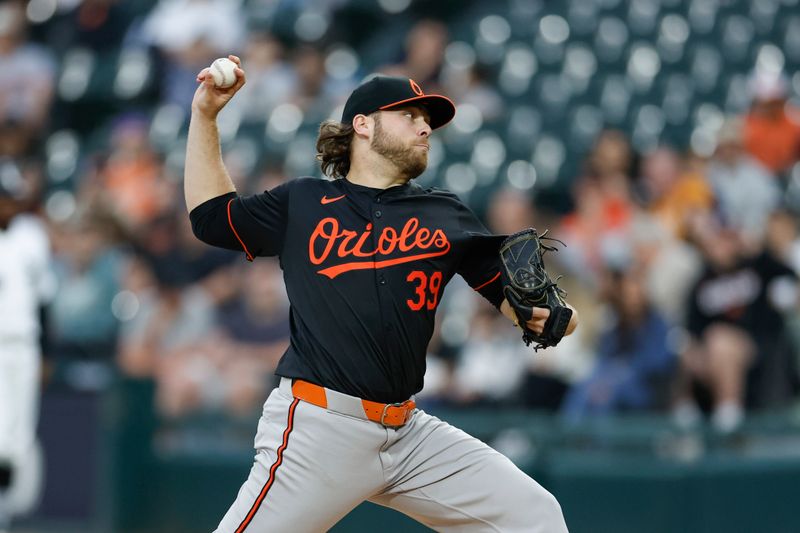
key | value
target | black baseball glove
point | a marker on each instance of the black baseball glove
(526, 285)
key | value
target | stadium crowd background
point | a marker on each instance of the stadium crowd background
(658, 139)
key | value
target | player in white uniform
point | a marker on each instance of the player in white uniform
(25, 283)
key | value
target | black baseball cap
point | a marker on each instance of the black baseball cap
(385, 92)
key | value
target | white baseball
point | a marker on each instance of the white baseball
(222, 72)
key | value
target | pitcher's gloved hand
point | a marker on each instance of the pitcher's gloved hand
(526, 285)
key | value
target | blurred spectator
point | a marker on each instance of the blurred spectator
(88, 268)
(178, 258)
(782, 238)
(475, 88)
(595, 230)
(671, 266)
(491, 365)
(173, 337)
(191, 34)
(510, 211)
(267, 178)
(544, 375)
(772, 126)
(745, 190)
(96, 24)
(253, 335)
(129, 174)
(550, 373)
(171, 314)
(270, 79)
(735, 325)
(226, 365)
(27, 73)
(671, 194)
(257, 318)
(634, 356)
(313, 93)
(177, 288)
(610, 163)
(597, 226)
(424, 55)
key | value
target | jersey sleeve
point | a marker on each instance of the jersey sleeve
(480, 263)
(254, 224)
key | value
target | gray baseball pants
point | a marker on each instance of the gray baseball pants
(314, 465)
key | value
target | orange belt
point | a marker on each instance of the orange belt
(388, 414)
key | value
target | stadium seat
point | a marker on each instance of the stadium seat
(706, 67)
(762, 14)
(167, 124)
(678, 93)
(643, 17)
(702, 15)
(77, 68)
(135, 73)
(672, 37)
(488, 155)
(585, 123)
(610, 39)
(738, 33)
(614, 98)
(522, 130)
(580, 65)
(63, 151)
(517, 70)
(791, 39)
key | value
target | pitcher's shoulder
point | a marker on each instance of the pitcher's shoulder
(442, 196)
(310, 183)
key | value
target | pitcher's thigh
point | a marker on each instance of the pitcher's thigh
(283, 503)
(305, 477)
(464, 485)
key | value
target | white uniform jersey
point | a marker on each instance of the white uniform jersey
(26, 280)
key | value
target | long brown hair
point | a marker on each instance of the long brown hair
(333, 148)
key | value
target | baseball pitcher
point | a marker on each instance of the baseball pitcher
(365, 258)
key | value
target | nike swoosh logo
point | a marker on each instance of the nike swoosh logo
(326, 200)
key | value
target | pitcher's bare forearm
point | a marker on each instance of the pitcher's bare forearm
(205, 176)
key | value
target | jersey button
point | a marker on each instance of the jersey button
(378, 214)
(382, 280)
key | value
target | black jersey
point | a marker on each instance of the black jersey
(364, 270)
(753, 295)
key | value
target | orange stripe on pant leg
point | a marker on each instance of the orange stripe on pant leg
(272, 470)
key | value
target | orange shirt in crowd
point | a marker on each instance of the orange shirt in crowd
(773, 141)
(690, 194)
(589, 225)
(133, 187)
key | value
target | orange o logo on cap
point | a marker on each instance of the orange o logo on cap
(416, 88)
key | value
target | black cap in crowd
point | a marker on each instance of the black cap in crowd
(384, 92)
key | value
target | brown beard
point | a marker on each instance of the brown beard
(409, 162)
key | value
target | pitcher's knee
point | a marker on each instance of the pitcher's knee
(553, 516)
(540, 512)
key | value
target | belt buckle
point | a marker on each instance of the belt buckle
(386, 408)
